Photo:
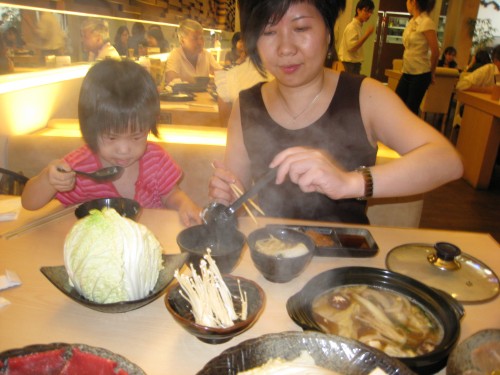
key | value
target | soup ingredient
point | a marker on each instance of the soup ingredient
(320, 239)
(210, 298)
(275, 247)
(110, 258)
(304, 364)
(486, 357)
(378, 317)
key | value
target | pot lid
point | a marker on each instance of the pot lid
(443, 266)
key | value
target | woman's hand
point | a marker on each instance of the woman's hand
(219, 186)
(60, 181)
(314, 171)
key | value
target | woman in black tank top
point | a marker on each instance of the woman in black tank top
(318, 127)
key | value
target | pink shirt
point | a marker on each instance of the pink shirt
(158, 175)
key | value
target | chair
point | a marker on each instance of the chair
(438, 96)
(11, 183)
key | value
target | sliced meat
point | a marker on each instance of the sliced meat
(48, 363)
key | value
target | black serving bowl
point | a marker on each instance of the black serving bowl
(280, 269)
(445, 309)
(181, 310)
(225, 249)
(124, 206)
(331, 352)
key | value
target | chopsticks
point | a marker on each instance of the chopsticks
(237, 191)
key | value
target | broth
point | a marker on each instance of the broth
(380, 318)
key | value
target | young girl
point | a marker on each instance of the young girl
(117, 109)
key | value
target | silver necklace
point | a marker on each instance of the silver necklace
(311, 103)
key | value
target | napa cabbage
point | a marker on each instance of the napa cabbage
(110, 258)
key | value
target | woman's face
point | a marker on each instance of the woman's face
(152, 42)
(193, 42)
(449, 57)
(124, 37)
(294, 49)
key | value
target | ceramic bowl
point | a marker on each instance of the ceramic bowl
(225, 250)
(280, 269)
(446, 310)
(58, 276)
(180, 309)
(344, 356)
(124, 206)
(477, 354)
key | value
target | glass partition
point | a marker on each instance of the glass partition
(27, 47)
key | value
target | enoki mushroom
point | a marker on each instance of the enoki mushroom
(210, 298)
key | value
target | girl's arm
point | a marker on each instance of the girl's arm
(432, 40)
(189, 212)
(42, 188)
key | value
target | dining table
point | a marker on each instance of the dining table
(39, 313)
(201, 110)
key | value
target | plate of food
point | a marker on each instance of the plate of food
(303, 352)
(61, 358)
(176, 97)
(338, 241)
(58, 276)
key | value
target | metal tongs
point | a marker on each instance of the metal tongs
(220, 214)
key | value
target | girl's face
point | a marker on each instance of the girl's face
(449, 57)
(124, 149)
(294, 49)
(124, 37)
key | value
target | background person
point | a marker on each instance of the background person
(95, 40)
(480, 58)
(419, 67)
(117, 109)
(190, 60)
(482, 79)
(319, 127)
(155, 38)
(121, 40)
(447, 59)
(137, 38)
(51, 34)
(6, 63)
(237, 55)
(351, 46)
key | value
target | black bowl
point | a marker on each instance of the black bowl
(181, 310)
(225, 250)
(332, 352)
(280, 269)
(124, 206)
(445, 309)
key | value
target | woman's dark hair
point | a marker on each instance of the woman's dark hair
(255, 15)
(483, 57)
(118, 36)
(448, 50)
(235, 39)
(426, 5)
(116, 97)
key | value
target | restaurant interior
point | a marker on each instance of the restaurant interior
(39, 123)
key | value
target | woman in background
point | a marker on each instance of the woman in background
(447, 59)
(6, 64)
(156, 39)
(419, 67)
(121, 40)
(237, 55)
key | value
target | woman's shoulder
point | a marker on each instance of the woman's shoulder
(426, 23)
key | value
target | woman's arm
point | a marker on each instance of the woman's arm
(432, 40)
(428, 159)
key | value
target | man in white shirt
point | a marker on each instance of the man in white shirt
(190, 59)
(351, 46)
(95, 40)
(482, 79)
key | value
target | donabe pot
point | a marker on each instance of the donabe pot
(445, 309)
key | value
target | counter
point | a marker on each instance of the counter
(149, 336)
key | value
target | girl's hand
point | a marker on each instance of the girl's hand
(59, 180)
(219, 185)
(314, 171)
(189, 213)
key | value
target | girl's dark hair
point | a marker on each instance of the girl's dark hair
(234, 40)
(426, 5)
(117, 97)
(447, 50)
(255, 15)
(483, 57)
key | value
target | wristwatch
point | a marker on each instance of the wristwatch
(367, 176)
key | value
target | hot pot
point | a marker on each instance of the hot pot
(446, 310)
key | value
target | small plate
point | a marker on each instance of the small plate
(179, 97)
(331, 352)
(338, 242)
(61, 353)
(477, 354)
(58, 276)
